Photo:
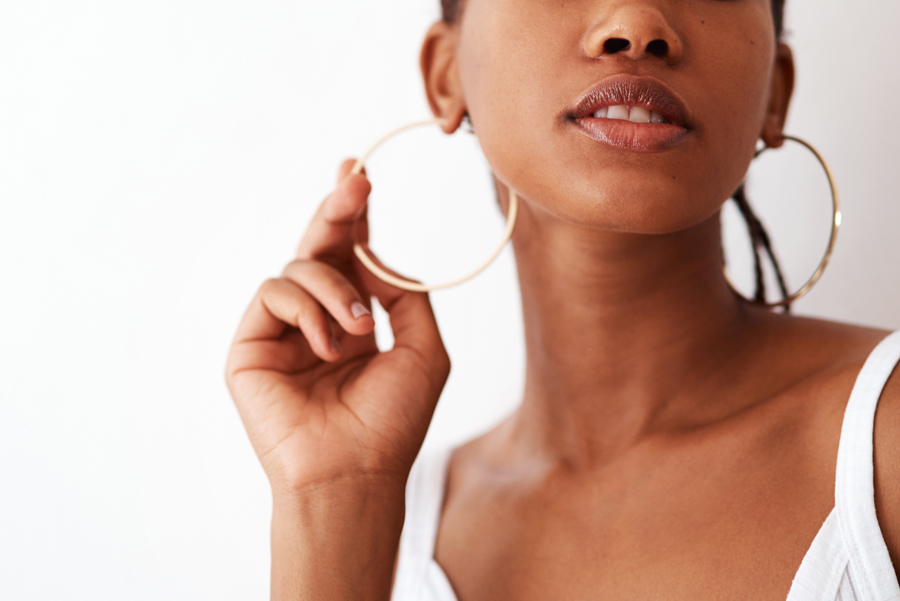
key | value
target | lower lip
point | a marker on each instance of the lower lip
(634, 137)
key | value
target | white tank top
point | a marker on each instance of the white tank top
(847, 561)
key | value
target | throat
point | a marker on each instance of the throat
(625, 333)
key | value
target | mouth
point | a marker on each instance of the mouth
(638, 114)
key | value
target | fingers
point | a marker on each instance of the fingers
(329, 233)
(333, 291)
(412, 320)
(310, 296)
(281, 303)
(289, 354)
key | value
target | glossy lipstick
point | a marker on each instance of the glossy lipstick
(637, 114)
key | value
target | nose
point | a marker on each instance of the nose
(634, 30)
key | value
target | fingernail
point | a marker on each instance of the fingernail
(359, 310)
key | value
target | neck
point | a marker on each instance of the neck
(626, 334)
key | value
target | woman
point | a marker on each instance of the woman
(674, 441)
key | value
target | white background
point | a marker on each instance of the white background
(159, 159)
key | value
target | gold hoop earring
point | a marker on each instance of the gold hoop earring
(384, 276)
(835, 225)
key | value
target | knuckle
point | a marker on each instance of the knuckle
(302, 271)
(309, 314)
(319, 273)
(269, 286)
(444, 363)
(229, 379)
(296, 266)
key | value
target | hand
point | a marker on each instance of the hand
(319, 401)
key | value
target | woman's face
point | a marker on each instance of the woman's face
(532, 75)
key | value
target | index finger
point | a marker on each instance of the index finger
(329, 233)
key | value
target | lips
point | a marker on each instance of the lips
(638, 114)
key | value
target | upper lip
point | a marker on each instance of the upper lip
(630, 90)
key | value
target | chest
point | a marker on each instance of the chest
(729, 527)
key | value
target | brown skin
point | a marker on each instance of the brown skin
(673, 441)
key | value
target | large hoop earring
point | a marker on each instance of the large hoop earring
(393, 280)
(835, 225)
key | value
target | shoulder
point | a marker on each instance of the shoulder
(839, 352)
(855, 346)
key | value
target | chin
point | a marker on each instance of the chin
(636, 203)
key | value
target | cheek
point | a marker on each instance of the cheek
(511, 71)
(735, 103)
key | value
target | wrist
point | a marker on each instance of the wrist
(387, 487)
(337, 539)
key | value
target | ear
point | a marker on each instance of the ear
(440, 73)
(781, 90)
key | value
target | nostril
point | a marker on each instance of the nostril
(658, 48)
(613, 45)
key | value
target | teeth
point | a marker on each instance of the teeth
(639, 115)
(635, 114)
(620, 111)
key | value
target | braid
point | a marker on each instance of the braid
(759, 239)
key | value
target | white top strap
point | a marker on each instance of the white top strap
(424, 500)
(854, 490)
(824, 566)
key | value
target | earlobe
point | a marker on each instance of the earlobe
(440, 74)
(781, 90)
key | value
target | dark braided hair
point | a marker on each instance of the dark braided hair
(759, 238)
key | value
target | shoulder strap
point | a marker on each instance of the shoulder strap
(424, 499)
(854, 490)
(824, 566)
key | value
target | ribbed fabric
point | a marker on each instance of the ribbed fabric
(847, 561)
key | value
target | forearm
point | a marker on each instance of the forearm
(336, 542)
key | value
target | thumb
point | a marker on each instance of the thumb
(412, 319)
